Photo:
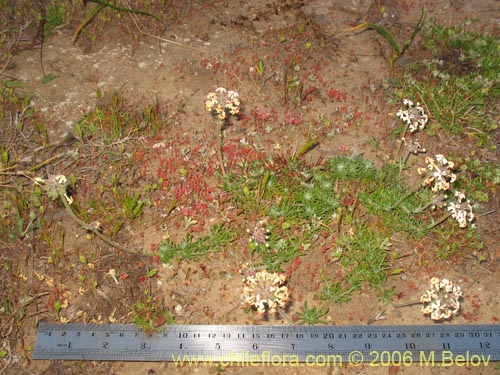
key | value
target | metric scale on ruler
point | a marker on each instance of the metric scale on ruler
(426, 344)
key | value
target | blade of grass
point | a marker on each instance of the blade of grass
(95, 10)
(417, 28)
(381, 31)
(129, 10)
(103, 4)
(398, 52)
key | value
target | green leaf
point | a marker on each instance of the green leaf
(152, 272)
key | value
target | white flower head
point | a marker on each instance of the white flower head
(442, 300)
(414, 116)
(461, 209)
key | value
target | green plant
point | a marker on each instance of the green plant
(313, 315)
(333, 291)
(55, 16)
(454, 242)
(352, 168)
(110, 123)
(131, 204)
(261, 67)
(190, 248)
(47, 78)
(150, 313)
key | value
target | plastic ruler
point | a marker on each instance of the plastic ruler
(440, 344)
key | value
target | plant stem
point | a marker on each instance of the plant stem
(129, 10)
(443, 218)
(401, 145)
(410, 193)
(220, 124)
(409, 303)
(90, 228)
(284, 316)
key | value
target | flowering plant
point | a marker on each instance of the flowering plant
(439, 172)
(55, 186)
(442, 300)
(259, 234)
(265, 290)
(461, 209)
(222, 104)
(414, 116)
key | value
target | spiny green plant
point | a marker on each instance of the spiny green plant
(382, 200)
(150, 313)
(365, 259)
(352, 168)
(313, 315)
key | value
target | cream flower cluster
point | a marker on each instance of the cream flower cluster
(461, 209)
(414, 116)
(442, 300)
(438, 172)
(223, 103)
(265, 291)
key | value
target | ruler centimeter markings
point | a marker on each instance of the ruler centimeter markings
(476, 344)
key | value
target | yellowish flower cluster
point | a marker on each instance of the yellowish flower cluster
(223, 103)
(439, 172)
(265, 290)
(442, 300)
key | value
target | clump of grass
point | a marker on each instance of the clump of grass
(353, 168)
(55, 16)
(112, 123)
(132, 205)
(190, 248)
